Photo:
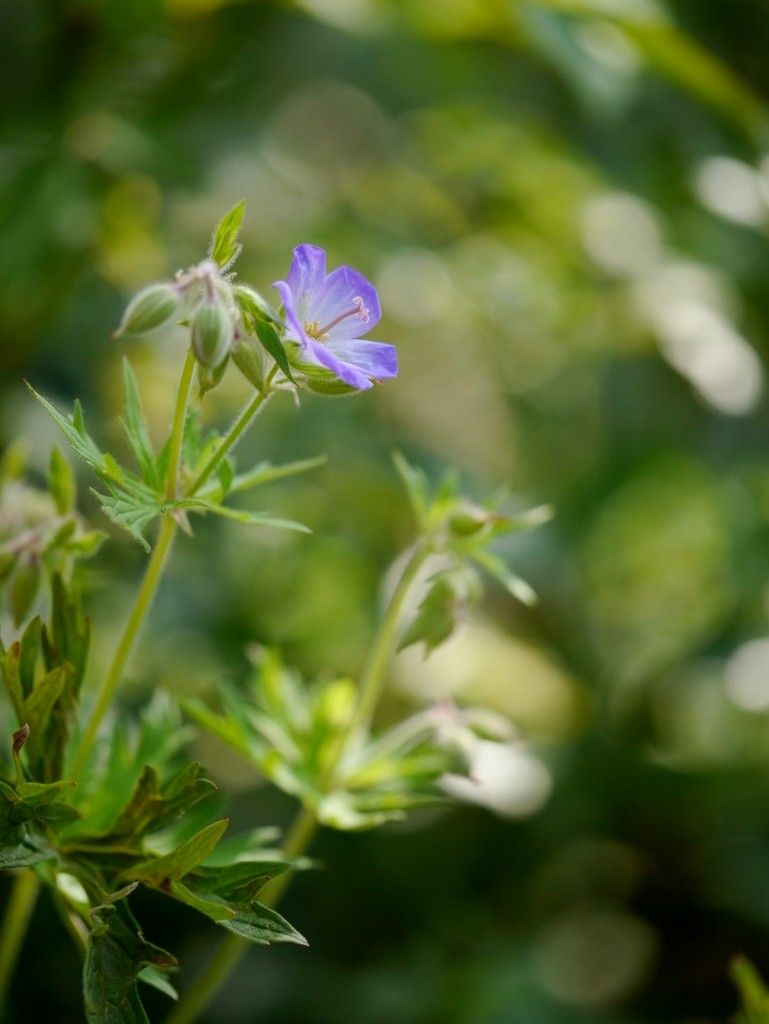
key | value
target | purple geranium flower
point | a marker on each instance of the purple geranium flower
(326, 314)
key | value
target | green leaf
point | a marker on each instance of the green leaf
(173, 866)
(239, 515)
(513, 583)
(117, 954)
(75, 433)
(9, 672)
(269, 337)
(158, 979)
(23, 587)
(262, 925)
(41, 704)
(211, 906)
(136, 428)
(22, 855)
(225, 247)
(131, 504)
(225, 474)
(41, 794)
(131, 512)
(248, 846)
(29, 651)
(415, 482)
(231, 732)
(266, 473)
(61, 483)
(241, 882)
(753, 992)
(436, 617)
(152, 805)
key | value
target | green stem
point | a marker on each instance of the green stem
(229, 440)
(152, 576)
(374, 676)
(177, 430)
(305, 825)
(232, 949)
(144, 598)
(26, 886)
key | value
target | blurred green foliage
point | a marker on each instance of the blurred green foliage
(564, 204)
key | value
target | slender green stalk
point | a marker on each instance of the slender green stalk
(305, 825)
(374, 676)
(144, 598)
(177, 430)
(229, 440)
(231, 950)
(24, 892)
(152, 576)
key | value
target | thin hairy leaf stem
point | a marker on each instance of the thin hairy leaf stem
(24, 890)
(301, 834)
(149, 585)
(374, 677)
(232, 949)
(152, 574)
(233, 435)
(177, 430)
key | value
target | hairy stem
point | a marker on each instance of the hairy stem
(177, 430)
(231, 950)
(152, 576)
(229, 440)
(149, 585)
(26, 886)
(374, 676)
(305, 825)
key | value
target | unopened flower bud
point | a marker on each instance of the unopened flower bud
(19, 738)
(211, 334)
(151, 309)
(252, 303)
(247, 357)
(468, 520)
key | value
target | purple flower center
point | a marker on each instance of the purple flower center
(358, 310)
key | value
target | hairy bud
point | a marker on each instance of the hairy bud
(211, 334)
(154, 307)
(246, 355)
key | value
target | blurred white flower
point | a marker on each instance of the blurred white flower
(504, 777)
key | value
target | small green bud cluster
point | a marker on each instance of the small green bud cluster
(224, 319)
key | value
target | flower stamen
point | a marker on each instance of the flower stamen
(357, 309)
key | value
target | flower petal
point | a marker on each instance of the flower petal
(295, 329)
(337, 295)
(376, 359)
(306, 275)
(315, 351)
(345, 371)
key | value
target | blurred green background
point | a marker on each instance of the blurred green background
(565, 205)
